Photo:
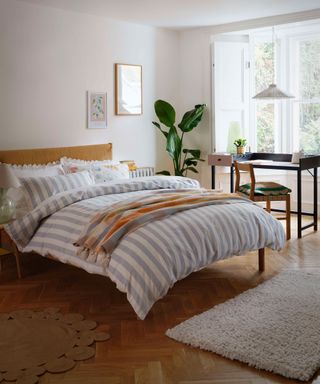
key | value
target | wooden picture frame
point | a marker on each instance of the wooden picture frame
(128, 89)
(97, 110)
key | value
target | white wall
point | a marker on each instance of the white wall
(49, 58)
(195, 88)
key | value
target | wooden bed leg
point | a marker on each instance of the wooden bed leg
(18, 262)
(261, 259)
(13, 250)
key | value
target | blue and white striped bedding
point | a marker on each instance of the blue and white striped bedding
(148, 261)
(38, 189)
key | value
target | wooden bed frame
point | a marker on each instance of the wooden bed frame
(48, 155)
(87, 152)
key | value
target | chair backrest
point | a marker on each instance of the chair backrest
(247, 168)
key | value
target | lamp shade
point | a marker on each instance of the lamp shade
(272, 92)
(7, 178)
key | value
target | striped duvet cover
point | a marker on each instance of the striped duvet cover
(149, 260)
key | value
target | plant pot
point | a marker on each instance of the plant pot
(241, 150)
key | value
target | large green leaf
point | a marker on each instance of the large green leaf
(159, 127)
(167, 173)
(165, 113)
(174, 144)
(191, 169)
(196, 153)
(192, 118)
(189, 162)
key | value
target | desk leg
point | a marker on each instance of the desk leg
(231, 179)
(213, 176)
(299, 195)
(315, 198)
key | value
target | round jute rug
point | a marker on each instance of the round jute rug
(35, 342)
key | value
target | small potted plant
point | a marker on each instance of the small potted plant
(241, 146)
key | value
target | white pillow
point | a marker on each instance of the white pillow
(101, 171)
(38, 189)
(105, 173)
(65, 161)
(70, 167)
(33, 170)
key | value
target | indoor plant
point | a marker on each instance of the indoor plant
(183, 159)
(241, 146)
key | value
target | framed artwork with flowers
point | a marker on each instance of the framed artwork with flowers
(97, 110)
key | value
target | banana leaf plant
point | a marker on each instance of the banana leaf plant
(183, 159)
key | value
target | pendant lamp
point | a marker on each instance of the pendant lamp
(273, 92)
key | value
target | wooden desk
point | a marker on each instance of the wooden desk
(282, 161)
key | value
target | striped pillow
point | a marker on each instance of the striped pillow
(38, 189)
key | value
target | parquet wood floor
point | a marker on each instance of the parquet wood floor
(139, 352)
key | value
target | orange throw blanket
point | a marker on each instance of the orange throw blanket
(106, 228)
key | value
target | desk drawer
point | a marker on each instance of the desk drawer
(222, 159)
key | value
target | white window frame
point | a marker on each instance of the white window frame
(286, 111)
(280, 112)
(294, 80)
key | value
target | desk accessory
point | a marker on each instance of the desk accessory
(296, 156)
(241, 146)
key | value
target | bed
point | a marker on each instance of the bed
(149, 259)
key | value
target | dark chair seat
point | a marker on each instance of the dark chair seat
(267, 188)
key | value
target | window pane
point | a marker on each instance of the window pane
(265, 127)
(265, 113)
(310, 128)
(309, 54)
(264, 67)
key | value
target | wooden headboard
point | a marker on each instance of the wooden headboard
(47, 155)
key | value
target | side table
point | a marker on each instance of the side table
(6, 239)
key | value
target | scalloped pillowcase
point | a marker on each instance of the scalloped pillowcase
(35, 170)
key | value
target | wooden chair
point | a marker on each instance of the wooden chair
(264, 191)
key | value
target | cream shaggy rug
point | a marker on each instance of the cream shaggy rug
(275, 326)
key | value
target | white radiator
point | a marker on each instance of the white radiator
(142, 172)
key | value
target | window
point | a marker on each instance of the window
(286, 126)
(307, 85)
(264, 111)
(246, 63)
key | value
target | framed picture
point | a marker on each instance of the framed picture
(97, 110)
(128, 89)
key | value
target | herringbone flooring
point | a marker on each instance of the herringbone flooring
(139, 352)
